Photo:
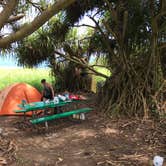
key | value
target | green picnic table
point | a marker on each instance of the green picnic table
(35, 106)
(41, 106)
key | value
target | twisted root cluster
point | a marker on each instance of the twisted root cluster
(132, 92)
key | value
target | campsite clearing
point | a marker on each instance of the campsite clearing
(97, 141)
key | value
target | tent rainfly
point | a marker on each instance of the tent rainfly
(11, 96)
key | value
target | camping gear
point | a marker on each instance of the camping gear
(82, 116)
(67, 96)
(13, 95)
(56, 100)
(63, 98)
(74, 97)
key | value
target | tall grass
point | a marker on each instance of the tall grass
(30, 76)
(33, 76)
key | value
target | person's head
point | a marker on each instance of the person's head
(43, 81)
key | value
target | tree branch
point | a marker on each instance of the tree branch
(85, 25)
(36, 5)
(162, 46)
(7, 11)
(15, 18)
(100, 66)
(105, 38)
(125, 20)
(81, 64)
(160, 15)
(2, 3)
(36, 23)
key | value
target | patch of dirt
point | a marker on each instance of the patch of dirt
(7, 151)
(97, 141)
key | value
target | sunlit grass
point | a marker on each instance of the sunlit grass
(103, 71)
(30, 76)
(33, 76)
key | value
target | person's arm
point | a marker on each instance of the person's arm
(52, 90)
(42, 93)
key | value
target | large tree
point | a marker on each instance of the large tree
(10, 13)
(48, 43)
(130, 35)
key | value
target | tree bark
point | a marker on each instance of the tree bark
(36, 23)
(7, 12)
(15, 18)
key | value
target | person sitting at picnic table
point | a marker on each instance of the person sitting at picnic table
(48, 91)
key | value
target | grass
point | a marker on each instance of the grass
(30, 76)
(103, 71)
(33, 76)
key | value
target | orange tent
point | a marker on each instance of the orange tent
(13, 95)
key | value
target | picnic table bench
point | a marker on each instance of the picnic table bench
(43, 106)
(60, 115)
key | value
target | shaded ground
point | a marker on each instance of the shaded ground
(95, 141)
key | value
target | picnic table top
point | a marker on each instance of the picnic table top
(42, 105)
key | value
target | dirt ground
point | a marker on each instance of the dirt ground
(96, 141)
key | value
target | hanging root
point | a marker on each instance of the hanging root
(128, 94)
(159, 100)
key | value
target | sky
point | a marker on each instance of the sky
(11, 62)
(7, 62)
(85, 20)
